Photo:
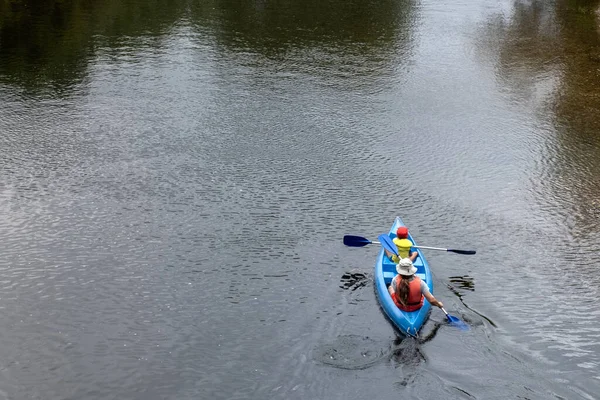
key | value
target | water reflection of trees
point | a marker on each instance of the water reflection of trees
(283, 23)
(548, 54)
(332, 38)
(50, 42)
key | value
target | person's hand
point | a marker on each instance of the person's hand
(440, 304)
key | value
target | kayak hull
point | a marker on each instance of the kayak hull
(408, 323)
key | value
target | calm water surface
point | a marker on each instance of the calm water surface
(176, 178)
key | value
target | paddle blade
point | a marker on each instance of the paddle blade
(356, 241)
(387, 244)
(462, 251)
(457, 322)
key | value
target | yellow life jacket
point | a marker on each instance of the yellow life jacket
(403, 246)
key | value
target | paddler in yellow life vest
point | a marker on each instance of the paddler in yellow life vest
(404, 246)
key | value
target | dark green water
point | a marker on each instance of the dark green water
(176, 178)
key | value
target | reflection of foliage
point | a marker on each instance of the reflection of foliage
(559, 42)
(281, 22)
(579, 98)
(576, 108)
(35, 35)
(336, 38)
(50, 41)
(563, 37)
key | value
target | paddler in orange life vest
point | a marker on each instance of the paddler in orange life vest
(404, 246)
(408, 290)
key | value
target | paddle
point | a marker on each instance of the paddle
(466, 252)
(387, 244)
(359, 241)
(356, 241)
(455, 321)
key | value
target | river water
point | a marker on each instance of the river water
(176, 178)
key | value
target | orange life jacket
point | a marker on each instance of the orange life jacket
(415, 297)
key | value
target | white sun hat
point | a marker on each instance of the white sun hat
(405, 267)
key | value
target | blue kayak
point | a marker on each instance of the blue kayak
(408, 323)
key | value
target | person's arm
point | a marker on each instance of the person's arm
(429, 296)
(433, 300)
(394, 258)
(391, 256)
(412, 254)
(392, 286)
